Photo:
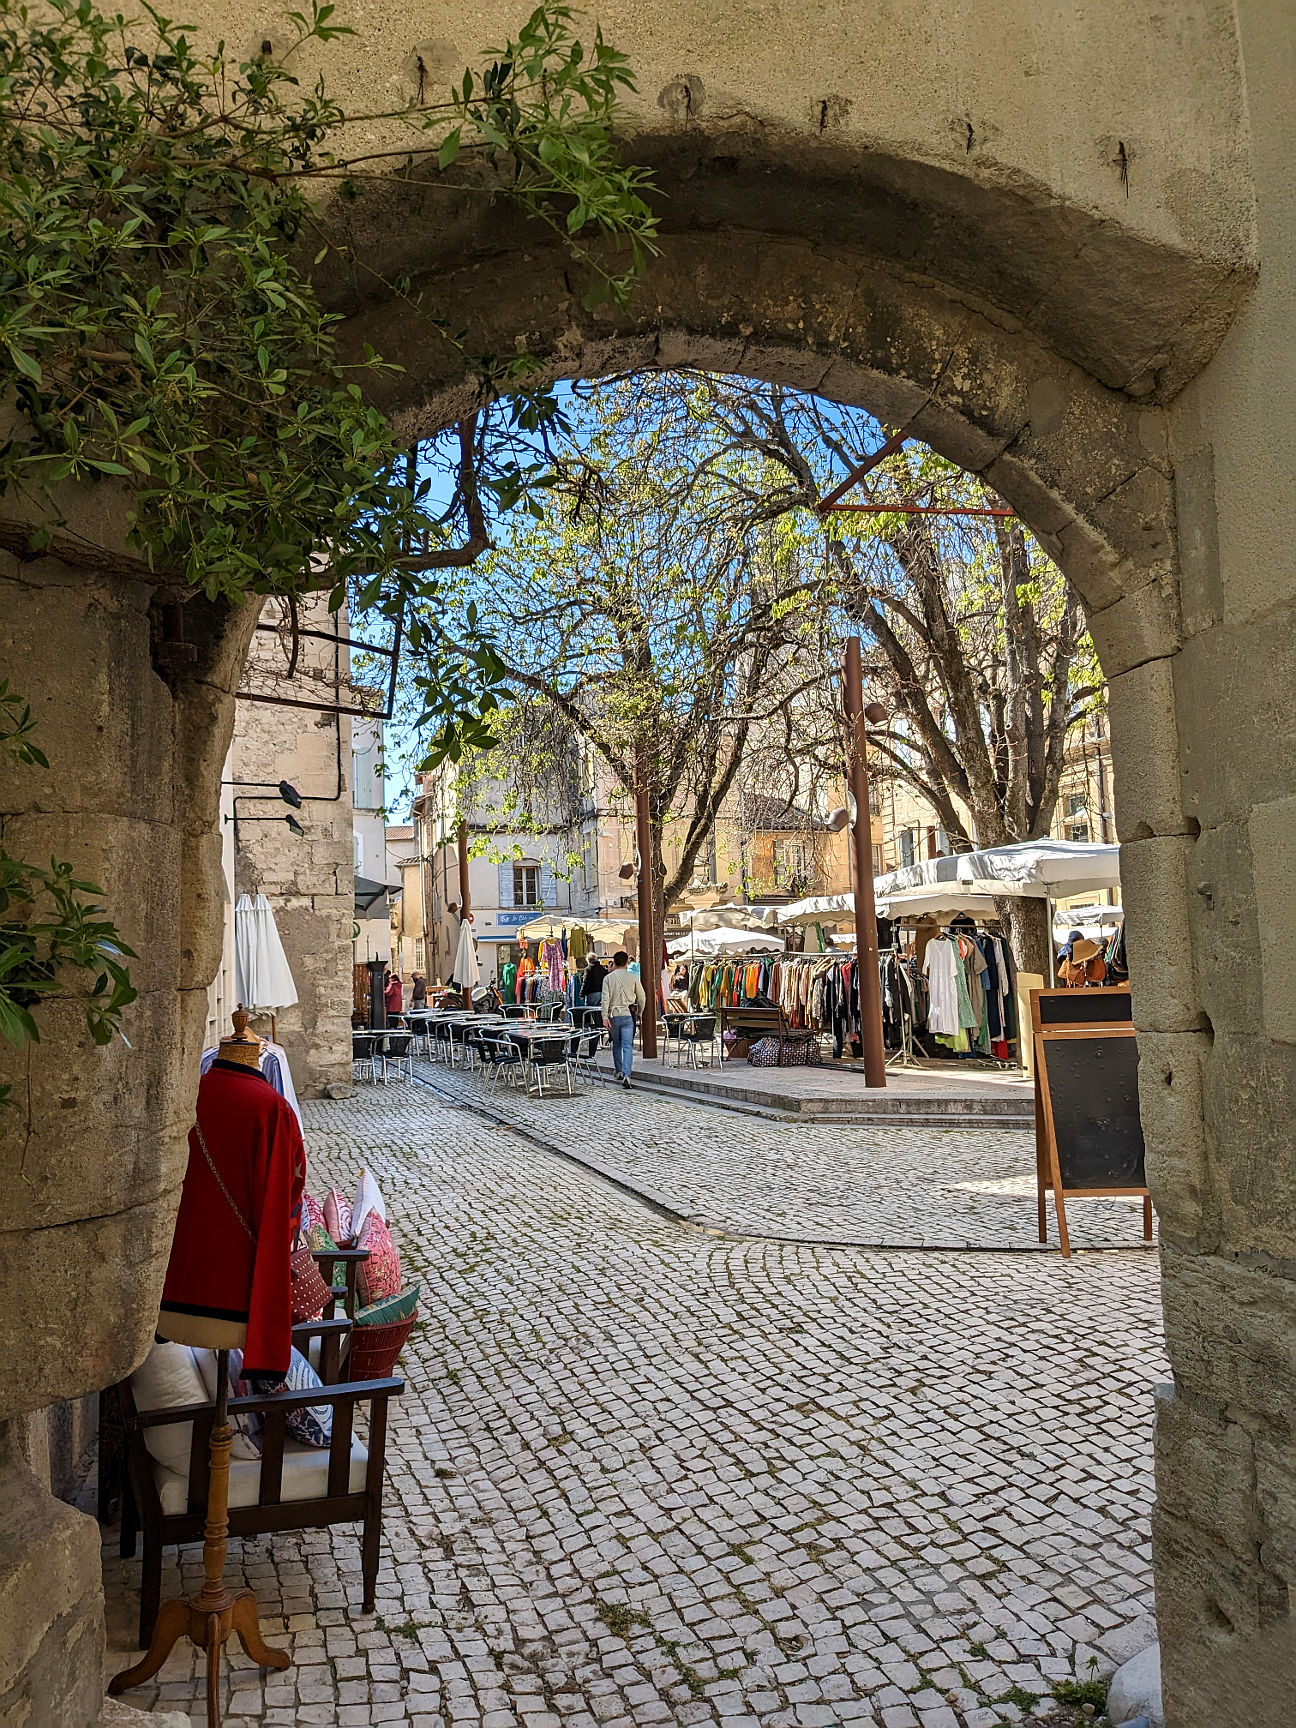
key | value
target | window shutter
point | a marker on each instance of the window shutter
(548, 886)
(506, 884)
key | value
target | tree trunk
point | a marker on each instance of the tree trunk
(1026, 921)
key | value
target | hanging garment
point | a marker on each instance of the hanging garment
(508, 980)
(274, 1065)
(943, 970)
(238, 1216)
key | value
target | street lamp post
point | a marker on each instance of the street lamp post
(866, 948)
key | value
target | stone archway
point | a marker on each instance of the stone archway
(1030, 239)
(1091, 469)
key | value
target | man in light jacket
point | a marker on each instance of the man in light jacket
(623, 998)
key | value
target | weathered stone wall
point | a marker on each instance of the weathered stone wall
(93, 1153)
(309, 879)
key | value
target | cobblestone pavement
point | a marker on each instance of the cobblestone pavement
(816, 1182)
(641, 1475)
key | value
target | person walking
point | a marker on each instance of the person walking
(623, 998)
(393, 993)
(592, 983)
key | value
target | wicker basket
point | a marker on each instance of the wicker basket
(374, 1349)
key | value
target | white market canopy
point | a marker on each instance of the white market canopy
(733, 917)
(1041, 869)
(709, 944)
(819, 909)
(551, 929)
(969, 881)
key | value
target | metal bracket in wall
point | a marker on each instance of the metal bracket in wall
(290, 674)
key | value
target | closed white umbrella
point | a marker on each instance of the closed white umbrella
(467, 973)
(263, 980)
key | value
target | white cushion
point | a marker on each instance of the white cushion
(244, 1443)
(305, 1477)
(168, 1379)
(368, 1198)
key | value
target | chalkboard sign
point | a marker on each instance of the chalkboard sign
(1103, 1006)
(1089, 1137)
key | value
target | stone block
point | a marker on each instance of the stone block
(107, 1124)
(1231, 1333)
(1170, 1105)
(1249, 1095)
(1227, 1650)
(1271, 830)
(1154, 881)
(1206, 1472)
(1236, 718)
(1142, 625)
(1145, 750)
(81, 1302)
(51, 1606)
(78, 651)
(1137, 518)
(134, 862)
(1222, 928)
(1136, 1689)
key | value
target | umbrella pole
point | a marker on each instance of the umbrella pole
(465, 901)
(866, 949)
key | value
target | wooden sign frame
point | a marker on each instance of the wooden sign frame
(1048, 1169)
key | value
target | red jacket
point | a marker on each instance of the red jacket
(219, 1280)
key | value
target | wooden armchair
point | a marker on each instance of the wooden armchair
(290, 1487)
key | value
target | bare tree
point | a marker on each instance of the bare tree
(976, 641)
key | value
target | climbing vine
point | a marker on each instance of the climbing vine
(163, 209)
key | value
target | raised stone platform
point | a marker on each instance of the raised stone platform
(936, 1095)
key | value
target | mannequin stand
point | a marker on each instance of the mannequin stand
(215, 1614)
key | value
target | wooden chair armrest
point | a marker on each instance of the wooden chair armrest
(345, 1392)
(320, 1328)
(331, 1254)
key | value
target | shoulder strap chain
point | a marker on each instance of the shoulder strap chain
(220, 1182)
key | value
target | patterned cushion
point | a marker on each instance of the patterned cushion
(378, 1277)
(394, 1308)
(312, 1424)
(337, 1216)
(312, 1213)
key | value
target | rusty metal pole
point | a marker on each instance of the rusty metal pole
(648, 963)
(866, 948)
(465, 901)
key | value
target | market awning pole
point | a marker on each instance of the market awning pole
(866, 948)
(649, 965)
(465, 902)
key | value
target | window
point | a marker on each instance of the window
(908, 846)
(878, 866)
(1077, 831)
(420, 955)
(526, 884)
(1077, 804)
(1077, 810)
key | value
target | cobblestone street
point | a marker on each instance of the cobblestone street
(816, 1182)
(645, 1475)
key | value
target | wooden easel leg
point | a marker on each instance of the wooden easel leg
(1064, 1240)
(172, 1625)
(245, 1619)
(1147, 1217)
(215, 1613)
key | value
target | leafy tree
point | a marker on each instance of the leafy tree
(159, 208)
(162, 209)
(627, 614)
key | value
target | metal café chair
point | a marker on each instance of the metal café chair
(544, 1056)
(501, 1058)
(398, 1053)
(696, 1032)
(365, 1055)
(583, 1049)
